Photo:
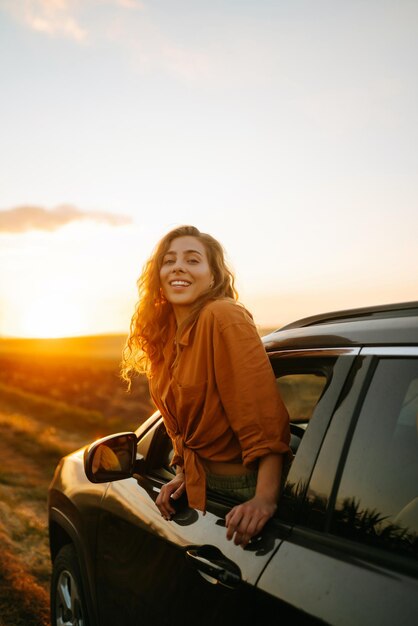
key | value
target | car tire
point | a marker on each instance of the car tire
(67, 601)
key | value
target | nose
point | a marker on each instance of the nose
(178, 266)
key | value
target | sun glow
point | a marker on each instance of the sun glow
(51, 317)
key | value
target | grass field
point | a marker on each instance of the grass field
(55, 396)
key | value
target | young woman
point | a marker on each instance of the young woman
(211, 380)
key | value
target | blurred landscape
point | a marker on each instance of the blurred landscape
(56, 395)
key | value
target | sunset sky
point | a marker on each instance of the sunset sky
(288, 129)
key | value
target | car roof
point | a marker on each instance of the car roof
(385, 325)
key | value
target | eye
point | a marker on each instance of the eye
(168, 261)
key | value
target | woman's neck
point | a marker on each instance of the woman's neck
(181, 313)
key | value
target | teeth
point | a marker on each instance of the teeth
(179, 283)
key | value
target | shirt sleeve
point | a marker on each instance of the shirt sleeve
(248, 390)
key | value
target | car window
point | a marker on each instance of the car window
(300, 393)
(310, 385)
(301, 382)
(156, 448)
(377, 499)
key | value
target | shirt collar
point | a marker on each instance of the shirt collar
(180, 336)
(183, 336)
(171, 336)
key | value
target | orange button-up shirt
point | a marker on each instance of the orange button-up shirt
(217, 394)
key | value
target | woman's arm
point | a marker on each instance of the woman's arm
(247, 519)
(172, 490)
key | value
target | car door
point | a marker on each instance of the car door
(153, 571)
(352, 555)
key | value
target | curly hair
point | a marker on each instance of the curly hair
(150, 321)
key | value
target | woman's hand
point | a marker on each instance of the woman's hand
(248, 519)
(172, 490)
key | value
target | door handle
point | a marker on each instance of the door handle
(214, 566)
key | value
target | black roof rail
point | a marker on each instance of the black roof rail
(380, 311)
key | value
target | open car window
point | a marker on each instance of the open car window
(302, 382)
(300, 393)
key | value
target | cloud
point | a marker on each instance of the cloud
(61, 18)
(24, 218)
(129, 4)
(53, 17)
(130, 25)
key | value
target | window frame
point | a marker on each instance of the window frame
(378, 357)
(370, 356)
(290, 506)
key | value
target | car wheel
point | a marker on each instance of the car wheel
(67, 601)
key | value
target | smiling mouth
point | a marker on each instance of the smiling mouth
(179, 283)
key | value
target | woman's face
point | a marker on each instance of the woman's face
(185, 274)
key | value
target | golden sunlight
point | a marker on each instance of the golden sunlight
(51, 317)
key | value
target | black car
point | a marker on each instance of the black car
(343, 546)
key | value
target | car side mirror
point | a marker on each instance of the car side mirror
(112, 458)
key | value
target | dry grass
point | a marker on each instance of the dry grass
(50, 404)
(29, 452)
(23, 601)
